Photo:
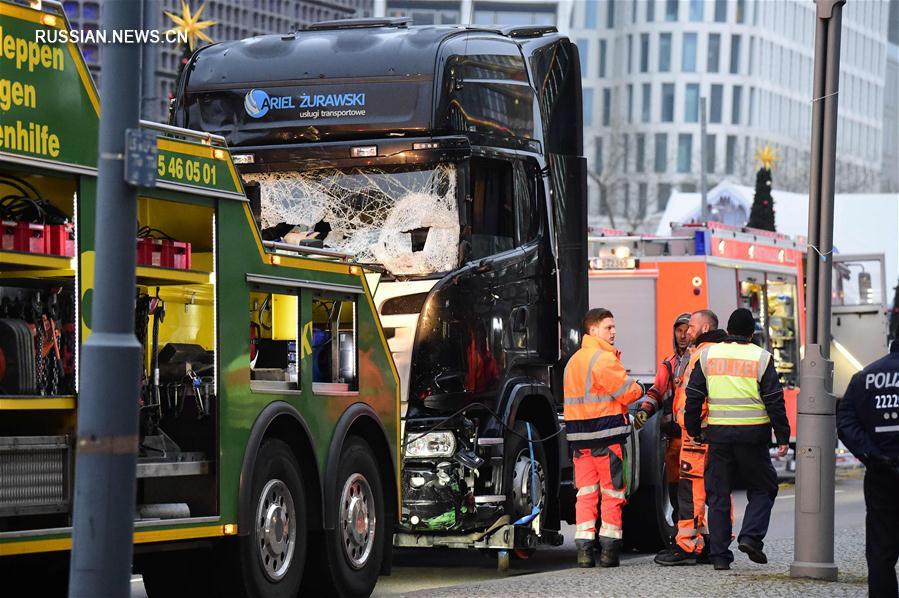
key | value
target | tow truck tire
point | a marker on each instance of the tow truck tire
(272, 555)
(353, 551)
(648, 526)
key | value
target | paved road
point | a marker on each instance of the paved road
(552, 570)
(416, 570)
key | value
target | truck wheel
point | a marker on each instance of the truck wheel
(648, 517)
(354, 549)
(273, 553)
(517, 472)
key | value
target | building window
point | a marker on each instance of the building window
(734, 54)
(610, 14)
(630, 103)
(583, 47)
(588, 107)
(647, 102)
(91, 11)
(650, 11)
(671, 9)
(630, 53)
(625, 146)
(688, 54)
(597, 163)
(663, 194)
(730, 157)
(665, 52)
(667, 102)
(691, 103)
(751, 67)
(641, 153)
(684, 151)
(71, 9)
(644, 52)
(641, 200)
(661, 149)
(696, 7)
(720, 11)
(590, 14)
(741, 12)
(751, 106)
(710, 153)
(606, 107)
(602, 58)
(716, 99)
(714, 52)
(737, 102)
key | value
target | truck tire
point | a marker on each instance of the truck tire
(517, 471)
(350, 560)
(273, 553)
(648, 524)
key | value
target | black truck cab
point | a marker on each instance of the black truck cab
(449, 161)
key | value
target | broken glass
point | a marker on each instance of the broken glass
(406, 219)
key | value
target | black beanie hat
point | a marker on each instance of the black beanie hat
(741, 323)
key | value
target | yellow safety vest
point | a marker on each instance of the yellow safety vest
(733, 372)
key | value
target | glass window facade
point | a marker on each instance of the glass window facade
(691, 103)
(646, 106)
(696, 10)
(671, 7)
(714, 51)
(588, 106)
(734, 54)
(736, 105)
(667, 102)
(665, 52)
(717, 97)
(684, 151)
(661, 152)
(688, 53)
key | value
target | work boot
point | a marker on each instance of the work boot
(720, 564)
(675, 556)
(753, 550)
(609, 557)
(585, 558)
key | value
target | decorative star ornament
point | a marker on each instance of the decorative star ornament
(190, 24)
(766, 157)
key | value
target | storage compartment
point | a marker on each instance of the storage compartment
(783, 330)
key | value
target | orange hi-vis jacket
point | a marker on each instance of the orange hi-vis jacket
(597, 393)
(680, 393)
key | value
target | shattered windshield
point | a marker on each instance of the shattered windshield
(403, 218)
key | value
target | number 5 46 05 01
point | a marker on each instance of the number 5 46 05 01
(192, 171)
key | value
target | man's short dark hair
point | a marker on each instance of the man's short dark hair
(595, 316)
(709, 316)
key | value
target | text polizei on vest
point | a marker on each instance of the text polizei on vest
(882, 380)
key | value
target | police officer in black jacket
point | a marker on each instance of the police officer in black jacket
(868, 424)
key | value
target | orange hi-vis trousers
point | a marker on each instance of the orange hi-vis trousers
(691, 524)
(600, 470)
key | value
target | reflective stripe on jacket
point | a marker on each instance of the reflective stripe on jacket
(733, 372)
(597, 392)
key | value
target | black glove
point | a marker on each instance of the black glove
(671, 429)
(640, 417)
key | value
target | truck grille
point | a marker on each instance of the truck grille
(34, 475)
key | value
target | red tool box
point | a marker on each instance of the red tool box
(60, 239)
(164, 253)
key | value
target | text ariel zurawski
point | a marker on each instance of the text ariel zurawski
(113, 36)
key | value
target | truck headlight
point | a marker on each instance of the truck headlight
(432, 444)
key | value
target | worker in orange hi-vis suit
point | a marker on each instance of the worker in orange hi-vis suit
(597, 393)
(661, 396)
(692, 530)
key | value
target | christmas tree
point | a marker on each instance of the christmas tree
(762, 214)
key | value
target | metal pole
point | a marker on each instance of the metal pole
(149, 107)
(703, 149)
(813, 553)
(107, 441)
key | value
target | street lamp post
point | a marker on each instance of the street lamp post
(107, 441)
(816, 406)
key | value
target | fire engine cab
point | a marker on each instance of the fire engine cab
(647, 281)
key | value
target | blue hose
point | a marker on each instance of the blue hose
(535, 510)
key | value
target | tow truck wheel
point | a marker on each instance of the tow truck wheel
(273, 553)
(354, 549)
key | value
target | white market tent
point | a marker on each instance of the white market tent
(863, 222)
